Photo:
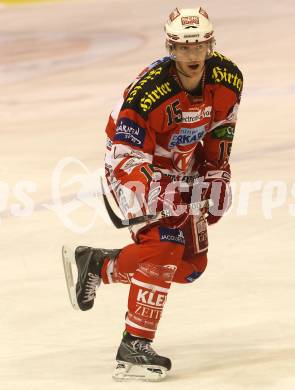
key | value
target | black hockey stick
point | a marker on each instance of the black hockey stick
(122, 223)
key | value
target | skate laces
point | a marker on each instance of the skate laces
(143, 346)
(93, 281)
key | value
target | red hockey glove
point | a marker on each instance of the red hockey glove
(218, 189)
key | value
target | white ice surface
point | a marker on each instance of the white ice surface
(62, 68)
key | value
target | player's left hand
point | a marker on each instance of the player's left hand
(219, 190)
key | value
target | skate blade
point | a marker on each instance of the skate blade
(68, 258)
(132, 372)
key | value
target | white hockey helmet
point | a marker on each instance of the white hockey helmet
(189, 25)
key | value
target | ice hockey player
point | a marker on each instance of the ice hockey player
(168, 145)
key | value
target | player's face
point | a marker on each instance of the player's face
(191, 57)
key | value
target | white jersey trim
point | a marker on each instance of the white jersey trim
(149, 286)
(130, 323)
(110, 270)
(117, 109)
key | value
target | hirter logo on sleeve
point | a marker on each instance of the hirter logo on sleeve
(130, 132)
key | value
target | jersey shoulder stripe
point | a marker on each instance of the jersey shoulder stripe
(152, 88)
(221, 70)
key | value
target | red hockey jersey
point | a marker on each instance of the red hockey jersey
(158, 125)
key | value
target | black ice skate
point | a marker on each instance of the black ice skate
(138, 361)
(89, 262)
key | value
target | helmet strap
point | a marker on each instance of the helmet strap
(181, 71)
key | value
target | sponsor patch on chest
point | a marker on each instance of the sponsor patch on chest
(195, 116)
(187, 136)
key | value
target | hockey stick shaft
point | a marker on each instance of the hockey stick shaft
(123, 223)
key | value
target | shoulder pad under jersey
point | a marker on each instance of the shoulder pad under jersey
(151, 89)
(221, 70)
